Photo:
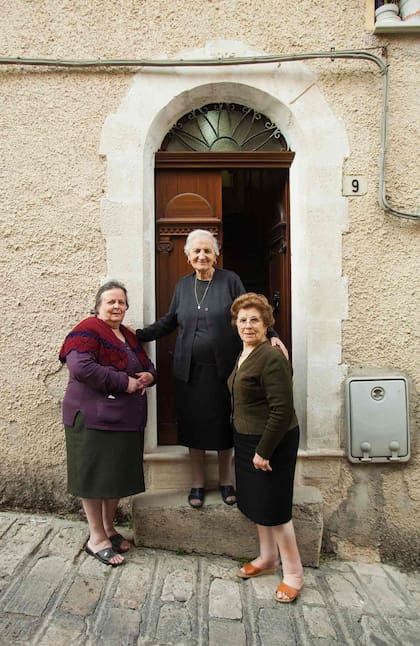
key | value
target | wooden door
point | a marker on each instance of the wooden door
(190, 195)
(278, 259)
(185, 200)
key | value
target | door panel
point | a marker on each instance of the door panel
(185, 200)
(249, 207)
(278, 256)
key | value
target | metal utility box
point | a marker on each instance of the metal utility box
(377, 419)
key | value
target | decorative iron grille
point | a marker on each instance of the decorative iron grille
(224, 127)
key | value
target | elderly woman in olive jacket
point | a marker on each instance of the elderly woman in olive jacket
(266, 437)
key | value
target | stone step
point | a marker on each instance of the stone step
(164, 519)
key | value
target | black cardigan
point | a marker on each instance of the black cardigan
(183, 314)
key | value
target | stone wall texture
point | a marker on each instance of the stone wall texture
(54, 253)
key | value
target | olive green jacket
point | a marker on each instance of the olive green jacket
(262, 397)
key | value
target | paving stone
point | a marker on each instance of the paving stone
(34, 591)
(380, 590)
(369, 569)
(408, 630)
(133, 586)
(333, 564)
(174, 626)
(223, 571)
(409, 581)
(83, 596)
(90, 566)
(68, 542)
(312, 596)
(345, 588)
(17, 629)
(264, 587)
(22, 540)
(375, 633)
(225, 600)
(318, 622)
(64, 629)
(275, 627)
(6, 521)
(178, 586)
(228, 633)
(310, 578)
(119, 627)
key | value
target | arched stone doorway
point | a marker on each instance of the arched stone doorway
(289, 94)
(222, 167)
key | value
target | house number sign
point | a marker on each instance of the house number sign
(354, 185)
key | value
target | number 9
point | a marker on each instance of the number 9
(355, 185)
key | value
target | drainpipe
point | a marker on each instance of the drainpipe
(251, 60)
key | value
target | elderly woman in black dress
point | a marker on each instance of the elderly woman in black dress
(205, 352)
(266, 438)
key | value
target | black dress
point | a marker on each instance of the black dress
(205, 352)
(203, 402)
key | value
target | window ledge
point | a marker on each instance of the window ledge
(397, 29)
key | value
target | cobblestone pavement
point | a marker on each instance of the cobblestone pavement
(52, 593)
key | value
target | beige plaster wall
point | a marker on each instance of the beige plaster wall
(53, 253)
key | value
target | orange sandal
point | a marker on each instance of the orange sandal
(292, 593)
(251, 571)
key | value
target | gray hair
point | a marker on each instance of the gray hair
(195, 234)
(111, 284)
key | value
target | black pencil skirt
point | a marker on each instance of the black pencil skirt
(266, 497)
(103, 464)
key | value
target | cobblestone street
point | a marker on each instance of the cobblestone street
(52, 593)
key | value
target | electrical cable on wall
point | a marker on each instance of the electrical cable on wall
(332, 54)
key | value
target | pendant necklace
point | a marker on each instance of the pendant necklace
(204, 295)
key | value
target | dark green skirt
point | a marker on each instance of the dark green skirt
(103, 464)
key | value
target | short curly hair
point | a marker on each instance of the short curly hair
(248, 300)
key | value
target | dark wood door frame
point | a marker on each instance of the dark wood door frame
(174, 224)
(224, 160)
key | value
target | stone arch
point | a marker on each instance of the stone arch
(290, 96)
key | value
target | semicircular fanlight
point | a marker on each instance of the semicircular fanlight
(224, 127)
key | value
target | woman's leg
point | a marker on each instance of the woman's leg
(225, 466)
(289, 556)
(98, 540)
(225, 471)
(197, 467)
(197, 472)
(109, 509)
(269, 553)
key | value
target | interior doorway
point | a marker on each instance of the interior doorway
(247, 208)
(255, 232)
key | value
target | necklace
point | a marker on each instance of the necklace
(205, 292)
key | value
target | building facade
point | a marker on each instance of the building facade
(83, 151)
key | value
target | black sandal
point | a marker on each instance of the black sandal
(196, 493)
(116, 542)
(227, 491)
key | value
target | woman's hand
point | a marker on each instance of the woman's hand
(261, 463)
(133, 385)
(144, 379)
(275, 341)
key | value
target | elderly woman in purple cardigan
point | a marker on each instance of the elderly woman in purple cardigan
(104, 415)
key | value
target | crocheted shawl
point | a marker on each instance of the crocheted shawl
(94, 335)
